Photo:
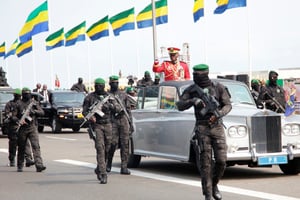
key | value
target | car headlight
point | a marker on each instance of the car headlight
(62, 110)
(291, 129)
(237, 131)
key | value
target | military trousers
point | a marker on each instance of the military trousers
(29, 133)
(120, 133)
(102, 144)
(213, 155)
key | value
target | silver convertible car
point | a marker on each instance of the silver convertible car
(255, 137)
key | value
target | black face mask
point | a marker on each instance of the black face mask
(17, 96)
(99, 89)
(26, 96)
(201, 80)
(114, 86)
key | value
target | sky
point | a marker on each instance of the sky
(265, 35)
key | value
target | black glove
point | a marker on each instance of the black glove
(198, 102)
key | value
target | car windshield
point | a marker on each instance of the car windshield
(5, 97)
(240, 94)
(68, 97)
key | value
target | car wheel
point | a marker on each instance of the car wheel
(40, 129)
(292, 168)
(133, 160)
(76, 129)
(56, 127)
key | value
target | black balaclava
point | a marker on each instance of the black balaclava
(80, 80)
(255, 87)
(147, 77)
(201, 79)
(114, 86)
(26, 96)
(273, 78)
(99, 89)
(17, 97)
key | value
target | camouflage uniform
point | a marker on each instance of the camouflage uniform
(11, 123)
(121, 127)
(102, 127)
(29, 131)
(210, 135)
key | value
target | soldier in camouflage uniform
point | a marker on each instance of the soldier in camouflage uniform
(209, 129)
(28, 130)
(10, 111)
(121, 126)
(101, 125)
(273, 91)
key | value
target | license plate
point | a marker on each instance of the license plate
(272, 160)
(80, 115)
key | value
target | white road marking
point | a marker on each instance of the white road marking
(4, 150)
(60, 138)
(235, 190)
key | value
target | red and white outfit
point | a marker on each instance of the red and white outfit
(173, 72)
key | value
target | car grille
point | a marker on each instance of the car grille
(266, 133)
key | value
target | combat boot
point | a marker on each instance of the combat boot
(40, 168)
(216, 193)
(103, 179)
(96, 170)
(20, 169)
(29, 163)
(12, 163)
(125, 171)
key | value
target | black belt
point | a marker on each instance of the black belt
(103, 121)
(203, 122)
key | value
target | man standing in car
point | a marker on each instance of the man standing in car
(211, 102)
(101, 125)
(121, 126)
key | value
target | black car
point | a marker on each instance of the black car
(64, 110)
(6, 94)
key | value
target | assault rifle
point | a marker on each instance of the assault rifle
(96, 108)
(211, 104)
(124, 109)
(279, 107)
(25, 115)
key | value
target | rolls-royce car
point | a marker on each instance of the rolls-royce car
(255, 137)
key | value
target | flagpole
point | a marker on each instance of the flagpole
(89, 65)
(20, 74)
(111, 57)
(34, 65)
(137, 54)
(51, 70)
(68, 68)
(154, 30)
(249, 44)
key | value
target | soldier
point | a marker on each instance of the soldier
(255, 90)
(209, 131)
(28, 129)
(10, 111)
(273, 94)
(121, 126)
(174, 70)
(101, 125)
(146, 80)
(156, 80)
(79, 86)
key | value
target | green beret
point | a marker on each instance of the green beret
(99, 81)
(26, 90)
(157, 76)
(18, 91)
(129, 89)
(255, 81)
(147, 73)
(113, 78)
(200, 67)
